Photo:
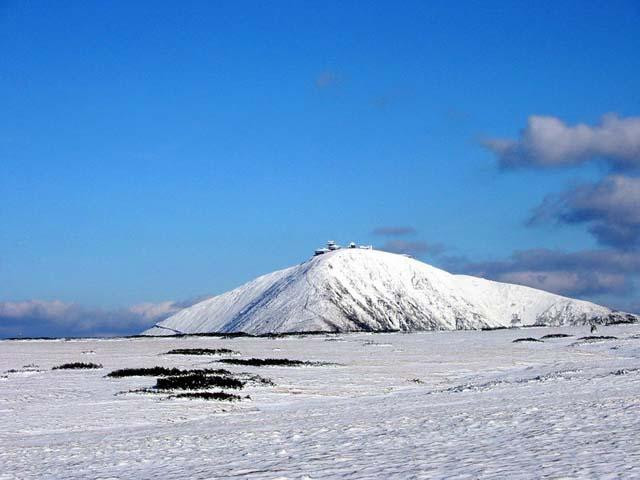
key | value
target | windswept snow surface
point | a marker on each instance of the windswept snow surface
(369, 290)
(462, 404)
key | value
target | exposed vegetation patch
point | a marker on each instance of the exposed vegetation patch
(526, 339)
(559, 375)
(621, 319)
(222, 396)
(556, 335)
(595, 338)
(77, 366)
(231, 335)
(164, 372)
(267, 362)
(375, 344)
(201, 351)
(197, 381)
(149, 391)
(626, 371)
(472, 387)
(25, 369)
(256, 379)
(273, 335)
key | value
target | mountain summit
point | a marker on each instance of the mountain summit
(369, 290)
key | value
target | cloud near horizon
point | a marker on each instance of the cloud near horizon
(37, 318)
(610, 208)
(575, 274)
(549, 142)
(582, 273)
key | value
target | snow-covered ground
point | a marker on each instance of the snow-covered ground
(462, 404)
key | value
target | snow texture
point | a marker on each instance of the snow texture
(456, 404)
(369, 290)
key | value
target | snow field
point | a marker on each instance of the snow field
(483, 407)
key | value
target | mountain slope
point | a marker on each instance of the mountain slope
(353, 289)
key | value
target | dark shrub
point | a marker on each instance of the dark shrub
(556, 335)
(527, 339)
(265, 362)
(598, 337)
(196, 381)
(164, 372)
(200, 351)
(229, 397)
(76, 366)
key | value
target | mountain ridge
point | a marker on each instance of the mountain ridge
(371, 290)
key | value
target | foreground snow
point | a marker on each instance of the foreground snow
(424, 405)
(369, 290)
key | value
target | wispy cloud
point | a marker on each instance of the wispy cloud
(392, 97)
(414, 249)
(610, 207)
(549, 142)
(396, 231)
(327, 79)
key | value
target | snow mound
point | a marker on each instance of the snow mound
(369, 290)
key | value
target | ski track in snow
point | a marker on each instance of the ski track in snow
(484, 407)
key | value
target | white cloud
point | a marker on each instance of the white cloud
(34, 308)
(153, 311)
(549, 142)
(56, 318)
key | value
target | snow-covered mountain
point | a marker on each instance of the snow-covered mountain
(370, 290)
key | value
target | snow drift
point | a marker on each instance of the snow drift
(369, 290)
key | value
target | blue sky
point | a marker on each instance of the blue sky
(154, 152)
